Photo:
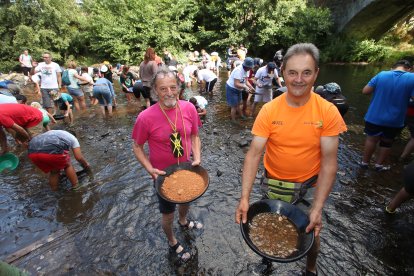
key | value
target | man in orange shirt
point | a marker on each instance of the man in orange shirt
(299, 131)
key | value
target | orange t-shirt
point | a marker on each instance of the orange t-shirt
(293, 151)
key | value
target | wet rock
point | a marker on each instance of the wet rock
(219, 173)
(345, 181)
(215, 131)
(68, 267)
(90, 137)
(243, 143)
(105, 134)
(97, 260)
(340, 173)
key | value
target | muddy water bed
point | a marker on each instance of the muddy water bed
(112, 224)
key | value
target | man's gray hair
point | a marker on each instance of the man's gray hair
(302, 48)
(161, 73)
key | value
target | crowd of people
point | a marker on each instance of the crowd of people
(297, 129)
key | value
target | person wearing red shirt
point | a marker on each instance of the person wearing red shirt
(16, 119)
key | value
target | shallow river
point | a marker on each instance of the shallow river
(112, 224)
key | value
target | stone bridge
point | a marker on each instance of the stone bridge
(367, 18)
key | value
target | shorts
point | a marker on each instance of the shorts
(147, 92)
(76, 92)
(103, 95)
(381, 131)
(264, 96)
(87, 90)
(50, 162)
(62, 105)
(233, 96)
(164, 206)
(138, 90)
(46, 99)
(245, 95)
(26, 70)
(210, 85)
(408, 176)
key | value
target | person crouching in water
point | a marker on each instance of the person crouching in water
(64, 102)
(47, 117)
(49, 151)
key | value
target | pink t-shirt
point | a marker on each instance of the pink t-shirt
(152, 126)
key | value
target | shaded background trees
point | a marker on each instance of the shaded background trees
(121, 30)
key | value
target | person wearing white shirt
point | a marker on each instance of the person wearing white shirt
(207, 79)
(51, 79)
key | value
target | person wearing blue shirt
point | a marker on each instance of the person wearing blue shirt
(391, 92)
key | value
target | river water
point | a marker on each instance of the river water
(112, 224)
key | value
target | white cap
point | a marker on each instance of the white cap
(104, 68)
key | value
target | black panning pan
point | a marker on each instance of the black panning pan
(59, 116)
(182, 166)
(294, 214)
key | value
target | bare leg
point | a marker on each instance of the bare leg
(383, 154)
(401, 197)
(76, 103)
(409, 148)
(370, 146)
(109, 110)
(166, 223)
(233, 113)
(102, 107)
(54, 180)
(182, 213)
(82, 102)
(71, 174)
(312, 256)
(253, 109)
(147, 102)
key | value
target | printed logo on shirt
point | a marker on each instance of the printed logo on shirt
(317, 124)
(278, 123)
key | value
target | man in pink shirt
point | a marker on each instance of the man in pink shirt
(17, 118)
(156, 125)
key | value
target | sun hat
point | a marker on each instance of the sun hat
(106, 62)
(214, 54)
(104, 68)
(248, 62)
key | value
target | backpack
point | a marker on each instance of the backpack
(65, 77)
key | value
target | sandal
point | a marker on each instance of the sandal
(191, 224)
(182, 254)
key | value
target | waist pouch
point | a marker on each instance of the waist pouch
(292, 192)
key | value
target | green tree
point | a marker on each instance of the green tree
(38, 25)
(122, 30)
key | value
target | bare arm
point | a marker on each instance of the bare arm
(59, 78)
(3, 141)
(76, 75)
(143, 159)
(196, 149)
(251, 164)
(326, 180)
(22, 132)
(77, 153)
(367, 90)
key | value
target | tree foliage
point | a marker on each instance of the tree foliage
(38, 25)
(122, 30)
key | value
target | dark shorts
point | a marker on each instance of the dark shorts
(26, 70)
(50, 162)
(233, 96)
(164, 206)
(138, 90)
(408, 176)
(381, 131)
(146, 92)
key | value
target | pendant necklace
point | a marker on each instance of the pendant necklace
(175, 137)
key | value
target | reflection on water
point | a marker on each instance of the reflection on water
(112, 224)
